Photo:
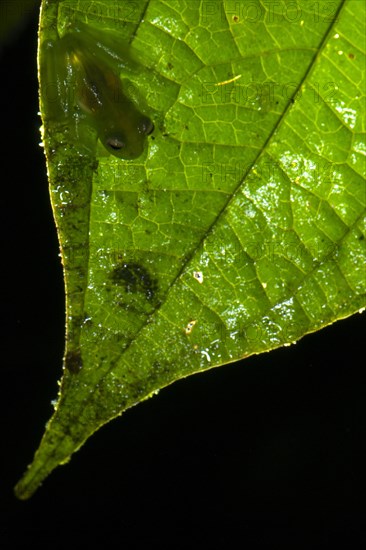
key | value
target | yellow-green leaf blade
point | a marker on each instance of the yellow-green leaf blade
(242, 228)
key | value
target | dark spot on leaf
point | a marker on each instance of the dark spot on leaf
(351, 55)
(135, 278)
(73, 361)
(235, 18)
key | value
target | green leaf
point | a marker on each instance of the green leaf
(241, 227)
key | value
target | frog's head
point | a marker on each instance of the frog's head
(129, 145)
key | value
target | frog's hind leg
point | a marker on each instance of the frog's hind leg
(105, 44)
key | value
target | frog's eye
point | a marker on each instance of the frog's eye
(145, 126)
(116, 144)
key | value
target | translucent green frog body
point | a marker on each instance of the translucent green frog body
(89, 89)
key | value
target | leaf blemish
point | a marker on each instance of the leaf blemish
(198, 275)
(135, 278)
(190, 326)
(73, 361)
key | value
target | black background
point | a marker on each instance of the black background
(270, 450)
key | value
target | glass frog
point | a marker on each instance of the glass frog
(82, 69)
